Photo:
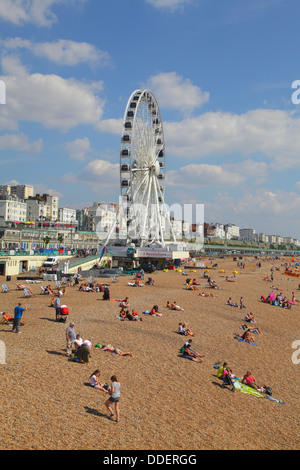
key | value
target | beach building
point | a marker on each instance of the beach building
(67, 215)
(12, 210)
(22, 191)
(248, 235)
(232, 232)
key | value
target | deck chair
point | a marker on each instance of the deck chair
(5, 288)
(43, 289)
(28, 292)
(21, 286)
(5, 319)
(58, 284)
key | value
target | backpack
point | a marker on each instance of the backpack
(268, 390)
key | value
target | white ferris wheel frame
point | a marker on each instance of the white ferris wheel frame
(142, 170)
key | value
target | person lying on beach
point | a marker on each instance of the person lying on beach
(94, 381)
(203, 294)
(229, 280)
(252, 330)
(229, 302)
(173, 306)
(183, 330)
(187, 353)
(118, 351)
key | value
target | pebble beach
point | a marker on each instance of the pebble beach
(167, 402)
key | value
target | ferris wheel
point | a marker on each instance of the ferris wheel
(142, 171)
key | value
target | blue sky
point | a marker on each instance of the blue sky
(222, 74)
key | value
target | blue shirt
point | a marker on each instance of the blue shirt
(19, 311)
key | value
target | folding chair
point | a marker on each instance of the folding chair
(28, 292)
(43, 290)
(5, 319)
(58, 284)
(21, 287)
(5, 288)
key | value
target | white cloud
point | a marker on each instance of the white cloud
(171, 4)
(98, 175)
(112, 126)
(79, 149)
(175, 92)
(62, 51)
(197, 175)
(273, 133)
(38, 12)
(50, 100)
(20, 143)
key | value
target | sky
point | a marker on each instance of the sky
(222, 72)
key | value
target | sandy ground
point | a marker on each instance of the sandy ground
(167, 402)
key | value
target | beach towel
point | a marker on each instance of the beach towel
(248, 390)
(240, 340)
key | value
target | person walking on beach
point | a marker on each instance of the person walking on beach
(114, 397)
(17, 318)
(70, 338)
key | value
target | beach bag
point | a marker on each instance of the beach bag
(268, 390)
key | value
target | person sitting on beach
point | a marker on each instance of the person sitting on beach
(249, 380)
(78, 341)
(229, 280)
(225, 373)
(122, 313)
(195, 283)
(187, 353)
(183, 330)
(213, 285)
(83, 353)
(189, 343)
(190, 286)
(154, 311)
(118, 351)
(247, 337)
(125, 303)
(94, 381)
(106, 293)
(249, 318)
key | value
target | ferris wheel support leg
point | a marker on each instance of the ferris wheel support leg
(159, 218)
(112, 228)
(167, 214)
(147, 207)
